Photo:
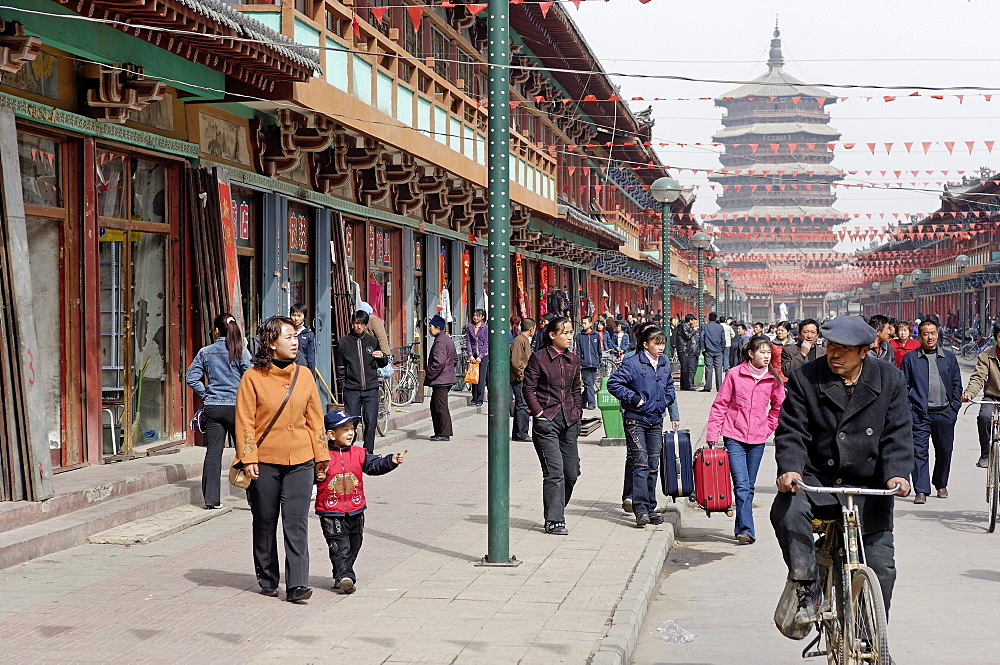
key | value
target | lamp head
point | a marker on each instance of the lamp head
(701, 240)
(900, 279)
(665, 190)
(962, 260)
(726, 275)
(876, 286)
(717, 263)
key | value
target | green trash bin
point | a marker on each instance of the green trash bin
(611, 414)
(699, 373)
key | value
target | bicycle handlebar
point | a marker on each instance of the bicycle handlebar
(864, 491)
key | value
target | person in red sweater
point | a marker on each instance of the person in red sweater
(340, 496)
(903, 343)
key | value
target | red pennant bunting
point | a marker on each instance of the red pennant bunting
(416, 13)
(545, 7)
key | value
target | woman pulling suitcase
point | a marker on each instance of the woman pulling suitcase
(745, 414)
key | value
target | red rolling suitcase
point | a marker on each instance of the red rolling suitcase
(713, 484)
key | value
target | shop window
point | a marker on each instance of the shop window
(41, 183)
(112, 185)
(441, 48)
(131, 188)
(299, 241)
(149, 184)
(246, 209)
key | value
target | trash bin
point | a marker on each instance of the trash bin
(699, 373)
(611, 414)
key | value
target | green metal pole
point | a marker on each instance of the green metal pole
(701, 290)
(666, 217)
(961, 288)
(500, 282)
(716, 308)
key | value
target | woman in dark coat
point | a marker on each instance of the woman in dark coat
(440, 376)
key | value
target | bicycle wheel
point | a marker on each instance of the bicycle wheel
(993, 484)
(869, 634)
(384, 404)
(406, 388)
(969, 351)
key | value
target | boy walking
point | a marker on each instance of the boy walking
(340, 496)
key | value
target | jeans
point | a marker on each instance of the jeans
(344, 536)
(589, 375)
(285, 490)
(744, 461)
(556, 445)
(644, 443)
(983, 422)
(713, 365)
(364, 403)
(689, 366)
(726, 358)
(791, 517)
(521, 417)
(440, 413)
(939, 427)
(219, 421)
(479, 389)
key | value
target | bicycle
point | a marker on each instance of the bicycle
(610, 361)
(384, 406)
(972, 349)
(852, 621)
(404, 379)
(461, 364)
(993, 463)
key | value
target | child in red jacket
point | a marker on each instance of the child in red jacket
(340, 497)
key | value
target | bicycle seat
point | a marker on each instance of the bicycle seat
(415, 356)
(820, 526)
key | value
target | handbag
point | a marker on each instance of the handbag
(196, 423)
(237, 473)
(472, 374)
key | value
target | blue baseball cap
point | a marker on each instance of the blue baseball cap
(337, 418)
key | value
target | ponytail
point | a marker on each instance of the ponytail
(226, 326)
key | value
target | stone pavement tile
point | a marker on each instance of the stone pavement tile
(493, 654)
(437, 589)
(490, 592)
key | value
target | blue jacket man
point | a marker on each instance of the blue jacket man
(713, 342)
(935, 394)
(588, 347)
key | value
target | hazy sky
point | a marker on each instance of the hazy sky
(941, 43)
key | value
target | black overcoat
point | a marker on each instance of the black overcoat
(833, 440)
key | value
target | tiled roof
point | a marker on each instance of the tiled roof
(767, 128)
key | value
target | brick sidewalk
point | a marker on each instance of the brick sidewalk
(192, 596)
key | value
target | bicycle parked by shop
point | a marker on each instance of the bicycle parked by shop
(403, 384)
(384, 406)
(993, 463)
(972, 349)
(852, 622)
(610, 361)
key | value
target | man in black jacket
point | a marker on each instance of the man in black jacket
(357, 359)
(845, 422)
(687, 345)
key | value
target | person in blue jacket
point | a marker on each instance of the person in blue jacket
(644, 386)
(307, 338)
(588, 347)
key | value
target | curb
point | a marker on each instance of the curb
(618, 644)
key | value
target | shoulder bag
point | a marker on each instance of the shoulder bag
(237, 473)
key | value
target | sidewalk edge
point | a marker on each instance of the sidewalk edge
(618, 644)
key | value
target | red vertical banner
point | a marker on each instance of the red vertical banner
(519, 268)
(228, 221)
(465, 280)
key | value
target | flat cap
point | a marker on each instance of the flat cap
(848, 331)
(437, 321)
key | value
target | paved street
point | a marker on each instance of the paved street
(191, 597)
(945, 608)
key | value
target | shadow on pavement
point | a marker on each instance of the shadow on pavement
(515, 522)
(221, 578)
(988, 575)
(969, 521)
(422, 546)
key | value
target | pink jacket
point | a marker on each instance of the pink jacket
(741, 409)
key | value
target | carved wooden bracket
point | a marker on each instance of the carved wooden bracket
(401, 172)
(120, 90)
(279, 148)
(16, 49)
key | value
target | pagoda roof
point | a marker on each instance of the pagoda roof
(776, 82)
(765, 169)
(777, 211)
(765, 128)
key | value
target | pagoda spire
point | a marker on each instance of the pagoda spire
(776, 60)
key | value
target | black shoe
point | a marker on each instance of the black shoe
(655, 518)
(920, 498)
(641, 520)
(440, 438)
(213, 506)
(706, 390)
(297, 593)
(556, 528)
(522, 440)
(269, 592)
(983, 461)
(810, 597)
(346, 585)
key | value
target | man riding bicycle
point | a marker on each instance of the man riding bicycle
(845, 422)
(985, 377)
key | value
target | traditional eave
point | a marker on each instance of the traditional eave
(212, 33)
(765, 129)
(766, 170)
(573, 219)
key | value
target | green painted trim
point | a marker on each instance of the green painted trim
(54, 117)
(241, 110)
(546, 228)
(548, 259)
(102, 43)
(349, 207)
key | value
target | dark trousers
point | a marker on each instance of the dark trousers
(555, 442)
(713, 365)
(521, 417)
(479, 389)
(344, 536)
(983, 423)
(939, 428)
(219, 421)
(644, 443)
(364, 403)
(791, 517)
(283, 490)
(689, 365)
(589, 375)
(440, 413)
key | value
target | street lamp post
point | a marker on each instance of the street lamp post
(899, 280)
(727, 277)
(876, 288)
(962, 261)
(917, 276)
(666, 191)
(860, 293)
(716, 263)
(701, 241)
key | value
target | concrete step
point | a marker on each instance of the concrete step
(155, 527)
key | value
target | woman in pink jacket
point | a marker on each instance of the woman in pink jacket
(745, 414)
